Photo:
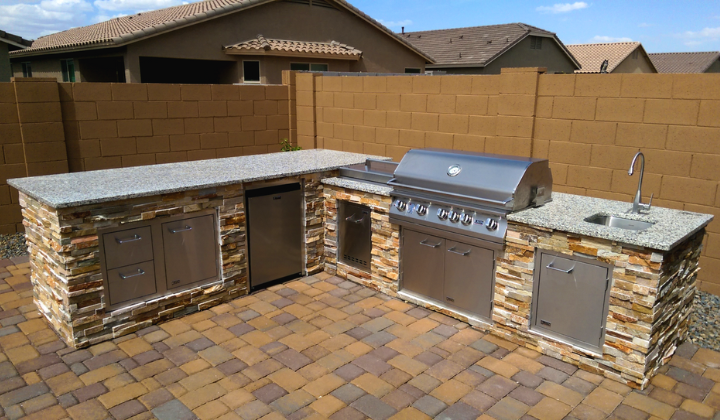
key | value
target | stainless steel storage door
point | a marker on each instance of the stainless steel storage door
(190, 251)
(127, 247)
(469, 278)
(423, 262)
(131, 282)
(354, 235)
(571, 299)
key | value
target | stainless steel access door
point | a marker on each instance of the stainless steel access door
(274, 220)
(354, 235)
(570, 299)
(469, 272)
(190, 249)
(423, 262)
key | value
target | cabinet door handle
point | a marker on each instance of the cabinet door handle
(425, 242)
(357, 221)
(568, 271)
(131, 239)
(185, 229)
(464, 254)
(140, 272)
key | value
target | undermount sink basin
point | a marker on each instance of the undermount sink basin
(618, 222)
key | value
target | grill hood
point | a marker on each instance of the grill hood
(498, 181)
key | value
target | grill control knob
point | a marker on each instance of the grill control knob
(454, 217)
(466, 219)
(401, 205)
(491, 224)
(421, 210)
(442, 214)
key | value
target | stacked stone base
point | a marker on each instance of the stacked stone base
(65, 257)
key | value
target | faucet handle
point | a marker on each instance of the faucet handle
(648, 205)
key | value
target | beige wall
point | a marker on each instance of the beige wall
(642, 64)
(282, 20)
(551, 56)
(588, 125)
(714, 68)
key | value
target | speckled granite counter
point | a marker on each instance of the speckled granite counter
(567, 213)
(360, 185)
(80, 188)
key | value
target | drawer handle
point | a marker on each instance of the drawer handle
(425, 242)
(185, 229)
(140, 272)
(464, 254)
(132, 239)
(568, 271)
(357, 221)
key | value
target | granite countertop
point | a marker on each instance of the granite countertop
(360, 185)
(81, 188)
(566, 212)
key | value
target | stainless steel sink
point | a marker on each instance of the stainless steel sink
(618, 222)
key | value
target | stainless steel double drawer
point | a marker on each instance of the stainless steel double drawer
(158, 257)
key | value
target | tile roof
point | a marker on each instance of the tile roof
(591, 56)
(263, 45)
(122, 30)
(20, 41)
(689, 62)
(474, 46)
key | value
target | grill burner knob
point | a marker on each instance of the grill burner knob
(442, 214)
(454, 217)
(491, 224)
(421, 210)
(466, 219)
(401, 205)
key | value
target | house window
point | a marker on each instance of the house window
(308, 67)
(27, 70)
(251, 71)
(412, 70)
(68, 70)
(535, 43)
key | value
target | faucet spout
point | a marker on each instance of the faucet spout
(637, 202)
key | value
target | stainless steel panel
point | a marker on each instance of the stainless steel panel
(570, 299)
(354, 235)
(507, 182)
(423, 261)
(131, 282)
(190, 249)
(469, 273)
(372, 170)
(127, 247)
(274, 220)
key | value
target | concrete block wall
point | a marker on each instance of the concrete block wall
(589, 126)
(110, 125)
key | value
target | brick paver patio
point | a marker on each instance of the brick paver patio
(316, 348)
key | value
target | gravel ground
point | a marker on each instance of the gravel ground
(704, 321)
(12, 245)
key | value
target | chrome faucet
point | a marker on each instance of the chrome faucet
(637, 204)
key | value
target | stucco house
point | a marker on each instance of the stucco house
(487, 49)
(222, 41)
(687, 62)
(9, 42)
(623, 57)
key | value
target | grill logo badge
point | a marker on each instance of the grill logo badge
(453, 170)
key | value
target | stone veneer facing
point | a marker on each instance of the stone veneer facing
(65, 257)
(385, 240)
(650, 300)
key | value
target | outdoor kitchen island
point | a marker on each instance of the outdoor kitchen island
(640, 304)
(118, 250)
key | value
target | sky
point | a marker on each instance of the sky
(661, 26)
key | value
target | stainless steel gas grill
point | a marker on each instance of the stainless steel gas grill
(452, 208)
